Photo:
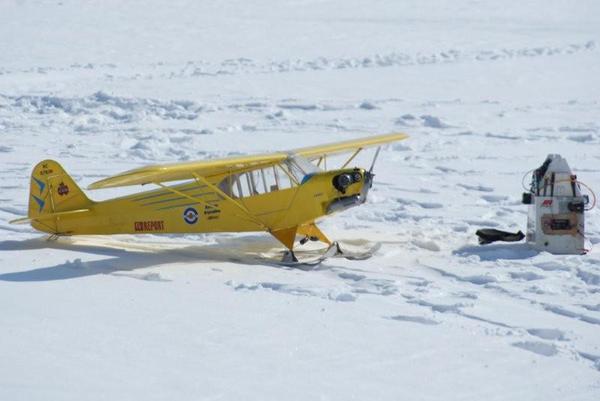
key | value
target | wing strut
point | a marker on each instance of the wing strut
(352, 157)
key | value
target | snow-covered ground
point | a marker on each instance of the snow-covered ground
(485, 89)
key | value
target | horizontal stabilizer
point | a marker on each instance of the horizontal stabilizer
(46, 216)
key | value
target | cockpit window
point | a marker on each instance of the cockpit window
(258, 182)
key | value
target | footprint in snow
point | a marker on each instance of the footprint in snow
(424, 205)
(351, 276)
(374, 287)
(478, 188)
(588, 277)
(342, 297)
(594, 308)
(419, 282)
(367, 106)
(526, 276)
(478, 279)
(441, 308)
(595, 359)
(466, 295)
(548, 334)
(430, 205)
(460, 228)
(551, 266)
(277, 287)
(568, 313)
(578, 129)
(292, 290)
(403, 120)
(433, 122)
(494, 198)
(145, 276)
(413, 319)
(537, 347)
(427, 245)
(581, 138)
(501, 136)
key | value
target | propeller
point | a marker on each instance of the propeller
(369, 174)
(374, 160)
(369, 177)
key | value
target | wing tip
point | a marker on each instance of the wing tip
(400, 135)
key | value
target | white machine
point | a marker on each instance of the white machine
(555, 222)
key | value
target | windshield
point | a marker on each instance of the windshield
(299, 167)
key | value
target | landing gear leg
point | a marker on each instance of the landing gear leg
(287, 237)
(289, 257)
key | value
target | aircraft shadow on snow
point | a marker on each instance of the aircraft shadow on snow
(128, 256)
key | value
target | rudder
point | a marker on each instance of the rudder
(52, 190)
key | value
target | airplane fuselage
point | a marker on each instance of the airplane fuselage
(199, 208)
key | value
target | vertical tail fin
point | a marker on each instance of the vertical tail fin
(52, 190)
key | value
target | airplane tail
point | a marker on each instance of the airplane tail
(53, 192)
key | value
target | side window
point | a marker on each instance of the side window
(238, 187)
(247, 188)
(257, 182)
(272, 179)
(285, 177)
(227, 186)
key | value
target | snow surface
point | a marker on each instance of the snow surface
(485, 89)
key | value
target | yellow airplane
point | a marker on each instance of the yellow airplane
(282, 193)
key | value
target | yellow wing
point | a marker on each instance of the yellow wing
(185, 171)
(206, 168)
(314, 152)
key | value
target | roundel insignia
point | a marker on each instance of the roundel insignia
(190, 215)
